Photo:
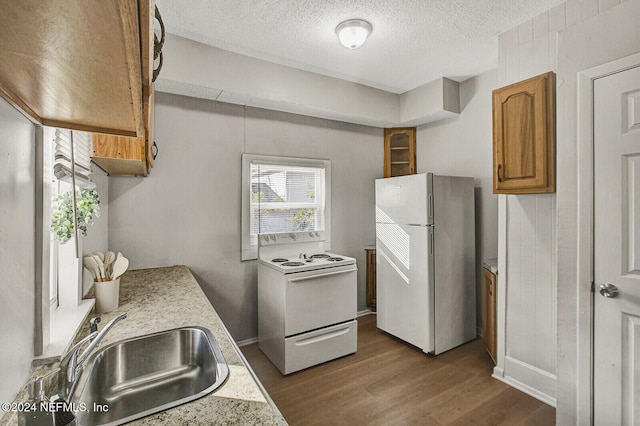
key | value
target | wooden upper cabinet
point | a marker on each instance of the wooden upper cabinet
(524, 136)
(127, 156)
(78, 64)
(120, 155)
(399, 151)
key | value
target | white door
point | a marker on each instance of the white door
(617, 249)
(404, 283)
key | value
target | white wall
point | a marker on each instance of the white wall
(17, 246)
(97, 238)
(17, 211)
(202, 71)
(188, 210)
(539, 344)
(527, 343)
(462, 146)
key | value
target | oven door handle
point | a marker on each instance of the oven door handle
(312, 277)
(325, 336)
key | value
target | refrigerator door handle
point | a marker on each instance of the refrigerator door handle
(430, 208)
(431, 243)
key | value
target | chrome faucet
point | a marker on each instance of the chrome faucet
(71, 363)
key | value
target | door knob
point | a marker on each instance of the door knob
(609, 290)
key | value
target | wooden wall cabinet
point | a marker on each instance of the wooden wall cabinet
(399, 151)
(524, 136)
(79, 65)
(371, 277)
(489, 303)
(120, 155)
(125, 156)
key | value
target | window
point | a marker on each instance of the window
(281, 194)
(58, 180)
(61, 310)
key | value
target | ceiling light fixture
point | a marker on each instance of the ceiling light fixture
(353, 32)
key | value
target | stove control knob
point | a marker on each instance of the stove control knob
(293, 237)
(265, 238)
(318, 234)
(311, 234)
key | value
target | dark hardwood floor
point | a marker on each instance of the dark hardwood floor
(387, 382)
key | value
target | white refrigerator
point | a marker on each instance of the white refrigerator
(425, 260)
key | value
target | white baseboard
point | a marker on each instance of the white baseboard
(533, 381)
(247, 341)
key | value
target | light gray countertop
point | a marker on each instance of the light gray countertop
(164, 298)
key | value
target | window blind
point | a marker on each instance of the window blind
(82, 155)
(287, 198)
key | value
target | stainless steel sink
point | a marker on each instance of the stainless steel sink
(136, 377)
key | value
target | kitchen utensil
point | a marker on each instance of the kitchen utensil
(100, 255)
(109, 257)
(90, 263)
(119, 266)
(100, 266)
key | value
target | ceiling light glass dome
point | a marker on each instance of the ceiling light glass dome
(353, 32)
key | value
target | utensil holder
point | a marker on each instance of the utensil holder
(107, 295)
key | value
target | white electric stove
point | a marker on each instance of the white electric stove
(307, 300)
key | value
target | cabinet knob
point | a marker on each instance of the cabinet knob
(499, 174)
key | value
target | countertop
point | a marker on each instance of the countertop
(164, 298)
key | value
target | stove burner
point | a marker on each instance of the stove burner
(319, 256)
(279, 260)
(335, 259)
(293, 264)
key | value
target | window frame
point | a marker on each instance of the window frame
(249, 248)
(58, 315)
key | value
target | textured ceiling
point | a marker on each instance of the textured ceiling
(413, 41)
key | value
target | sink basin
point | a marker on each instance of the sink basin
(133, 378)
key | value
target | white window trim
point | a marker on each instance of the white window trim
(249, 249)
(65, 316)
